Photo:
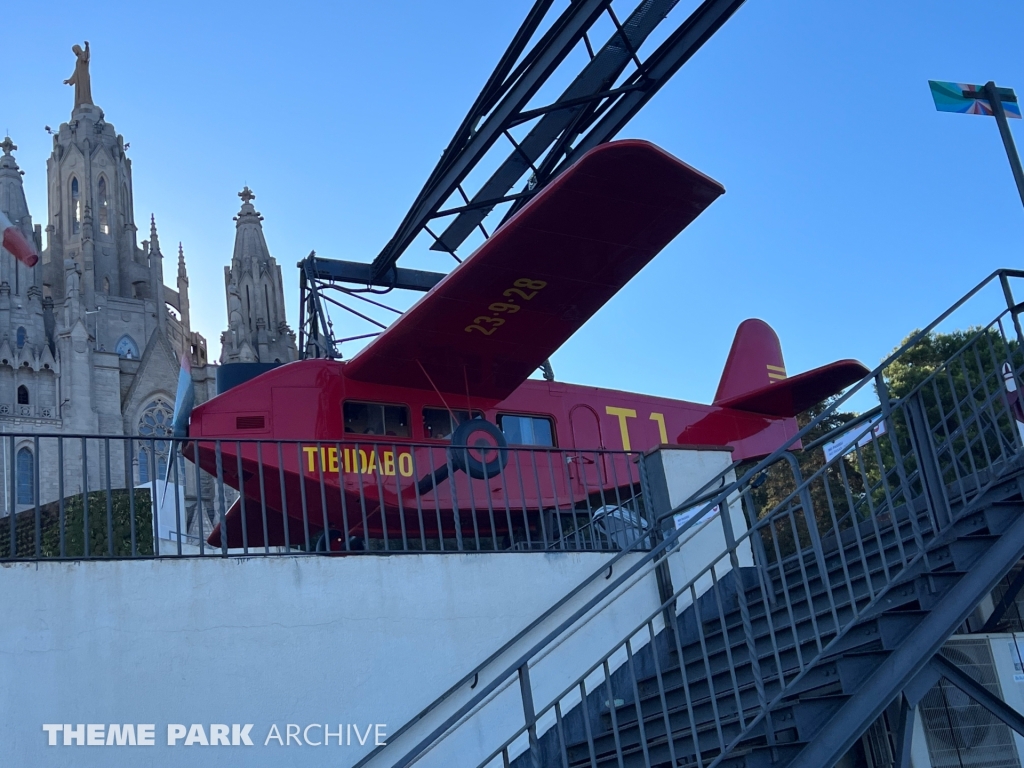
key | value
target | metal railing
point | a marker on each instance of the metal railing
(89, 496)
(847, 533)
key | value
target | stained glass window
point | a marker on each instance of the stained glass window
(25, 479)
(155, 423)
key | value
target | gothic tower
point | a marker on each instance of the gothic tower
(92, 221)
(257, 328)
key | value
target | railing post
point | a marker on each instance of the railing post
(12, 501)
(927, 461)
(1004, 281)
(530, 714)
(662, 573)
(901, 471)
(748, 631)
(221, 502)
(35, 495)
(809, 515)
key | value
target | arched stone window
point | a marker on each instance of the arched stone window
(21, 336)
(126, 347)
(101, 205)
(76, 207)
(155, 425)
(22, 395)
(25, 486)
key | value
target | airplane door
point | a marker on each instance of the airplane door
(586, 466)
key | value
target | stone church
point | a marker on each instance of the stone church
(91, 338)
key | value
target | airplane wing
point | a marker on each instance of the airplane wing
(497, 316)
(798, 393)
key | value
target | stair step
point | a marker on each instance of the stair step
(961, 548)
(1001, 515)
(840, 674)
(763, 757)
(913, 590)
(789, 723)
(880, 633)
(707, 695)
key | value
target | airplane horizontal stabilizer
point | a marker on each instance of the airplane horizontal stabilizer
(788, 397)
(497, 316)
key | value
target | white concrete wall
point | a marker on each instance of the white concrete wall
(307, 641)
(278, 640)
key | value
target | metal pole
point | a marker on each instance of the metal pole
(1004, 130)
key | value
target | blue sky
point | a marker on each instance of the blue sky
(854, 212)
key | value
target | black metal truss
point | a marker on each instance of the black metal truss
(318, 277)
(590, 111)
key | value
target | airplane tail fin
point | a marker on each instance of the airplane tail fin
(755, 377)
(755, 361)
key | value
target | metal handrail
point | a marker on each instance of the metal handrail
(739, 486)
(653, 555)
(606, 568)
(299, 495)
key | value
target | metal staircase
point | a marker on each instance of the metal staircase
(831, 607)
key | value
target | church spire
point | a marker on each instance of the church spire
(183, 304)
(154, 240)
(257, 327)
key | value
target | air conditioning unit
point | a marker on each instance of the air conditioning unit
(952, 730)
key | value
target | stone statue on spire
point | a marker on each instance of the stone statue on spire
(81, 79)
(247, 195)
(8, 146)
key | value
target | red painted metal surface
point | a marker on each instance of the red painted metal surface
(469, 345)
(302, 401)
(491, 322)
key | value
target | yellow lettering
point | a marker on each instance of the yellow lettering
(622, 414)
(332, 460)
(405, 464)
(323, 458)
(662, 434)
(363, 463)
(389, 463)
(310, 451)
(369, 469)
(348, 466)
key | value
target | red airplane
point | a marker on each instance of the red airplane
(433, 411)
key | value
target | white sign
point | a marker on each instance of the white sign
(682, 518)
(844, 442)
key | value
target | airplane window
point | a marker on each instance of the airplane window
(440, 423)
(376, 419)
(527, 430)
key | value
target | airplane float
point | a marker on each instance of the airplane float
(428, 413)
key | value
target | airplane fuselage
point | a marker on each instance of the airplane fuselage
(306, 400)
(377, 443)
